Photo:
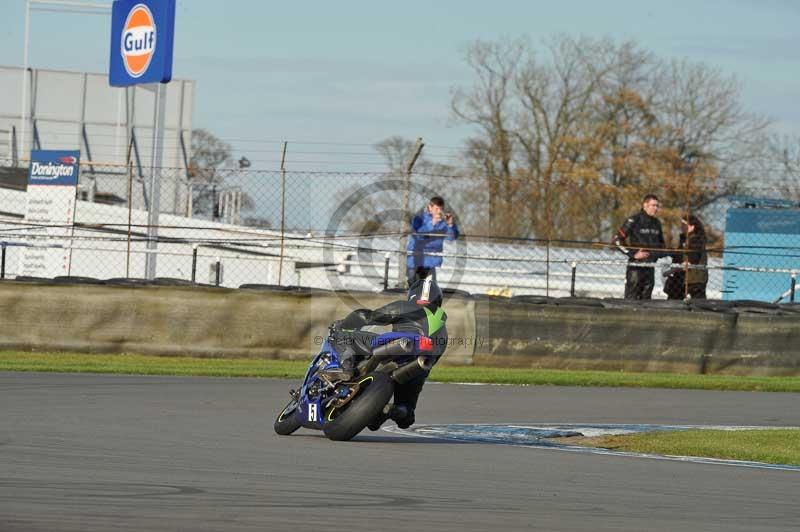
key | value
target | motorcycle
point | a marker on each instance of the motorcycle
(342, 406)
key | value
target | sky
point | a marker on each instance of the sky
(338, 77)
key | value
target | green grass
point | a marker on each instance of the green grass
(614, 378)
(773, 446)
(149, 365)
(156, 365)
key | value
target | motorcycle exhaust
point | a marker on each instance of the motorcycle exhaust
(412, 370)
(398, 347)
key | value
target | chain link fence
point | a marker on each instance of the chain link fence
(347, 230)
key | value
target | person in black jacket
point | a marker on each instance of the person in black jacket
(641, 238)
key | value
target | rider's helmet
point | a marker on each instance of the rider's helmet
(425, 292)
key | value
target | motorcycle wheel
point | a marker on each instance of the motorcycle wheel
(375, 391)
(287, 422)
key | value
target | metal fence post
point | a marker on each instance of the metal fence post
(194, 262)
(3, 264)
(283, 211)
(404, 223)
(572, 284)
(547, 270)
(218, 272)
(387, 257)
(791, 292)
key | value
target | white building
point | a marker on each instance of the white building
(109, 125)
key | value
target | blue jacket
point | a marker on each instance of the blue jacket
(419, 245)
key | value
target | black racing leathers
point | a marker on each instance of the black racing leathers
(406, 316)
(640, 232)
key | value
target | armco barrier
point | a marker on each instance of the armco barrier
(289, 323)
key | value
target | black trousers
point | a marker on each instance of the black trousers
(674, 287)
(408, 394)
(639, 282)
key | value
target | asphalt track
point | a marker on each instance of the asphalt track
(116, 453)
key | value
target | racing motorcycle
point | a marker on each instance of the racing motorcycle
(342, 406)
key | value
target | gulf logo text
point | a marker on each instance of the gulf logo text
(138, 40)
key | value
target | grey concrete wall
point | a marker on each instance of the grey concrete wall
(636, 339)
(193, 321)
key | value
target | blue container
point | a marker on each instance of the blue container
(764, 234)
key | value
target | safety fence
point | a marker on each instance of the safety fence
(335, 230)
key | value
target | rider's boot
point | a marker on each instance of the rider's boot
(348, 362)
(403, 415)
(346, 369)
(390, 411)
(405, 402)
(337, 374)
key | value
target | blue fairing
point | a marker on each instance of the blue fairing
(310, 412)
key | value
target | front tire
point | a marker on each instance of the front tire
(376, 390)
(287, 422)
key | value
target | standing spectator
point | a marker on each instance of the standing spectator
(689, 281)
(640, 238)
(429, 228)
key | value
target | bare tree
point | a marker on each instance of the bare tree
(783, 162)
(211, 170)
(579, 129)
(380, 212)
(398, 151)
(489, 105)
(209, 156)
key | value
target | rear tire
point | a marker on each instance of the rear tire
(376, 390)
(287, 422)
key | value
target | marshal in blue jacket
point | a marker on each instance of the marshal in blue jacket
(428, 238)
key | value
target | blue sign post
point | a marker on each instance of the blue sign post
(142, 35)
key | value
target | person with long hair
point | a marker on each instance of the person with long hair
(688, 280)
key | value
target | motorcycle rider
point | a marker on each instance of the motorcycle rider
(421, 313)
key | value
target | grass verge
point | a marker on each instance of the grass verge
(156, 365)
(772, 446)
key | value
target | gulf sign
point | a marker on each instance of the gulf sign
(54, 168)
(141, 42)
